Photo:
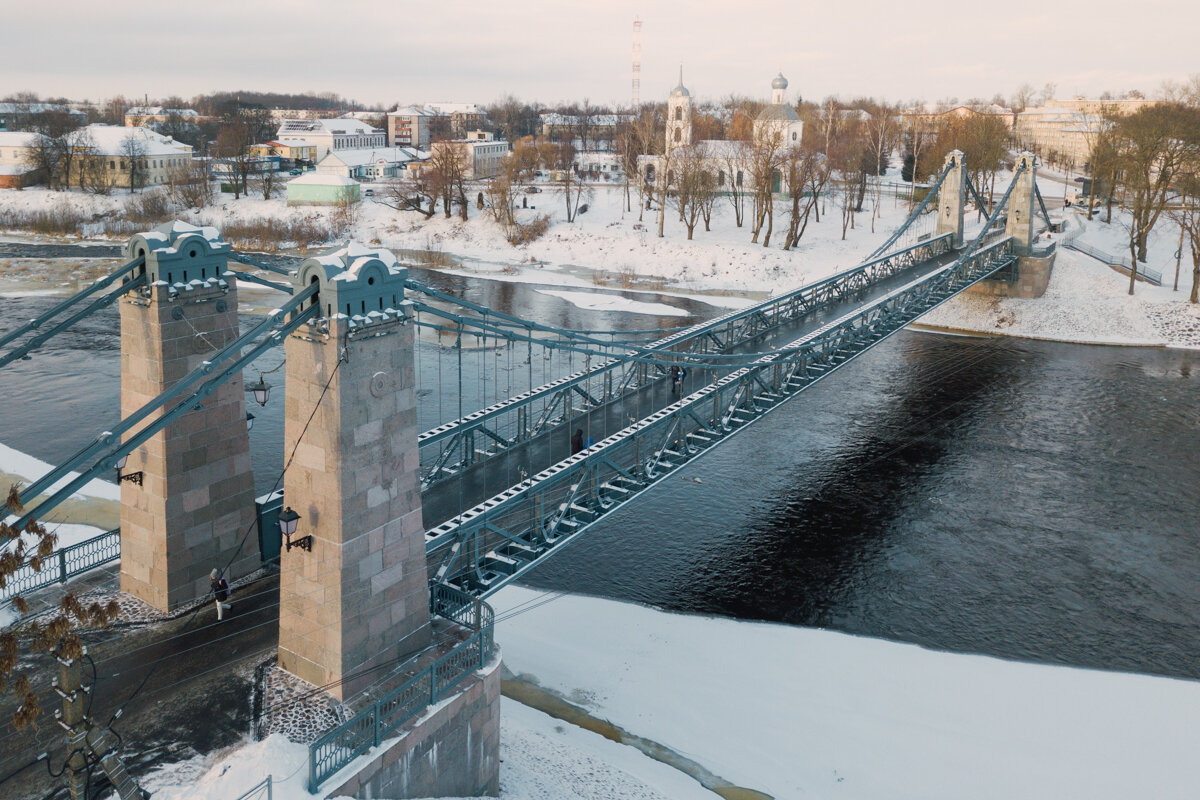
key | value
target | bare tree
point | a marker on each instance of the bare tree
(1022, 97)
(448, 167)
(501, 196)
(73, 148)
(233, 149)
(1152, 144)
(41, 157)
(807, 174)
(881, 137)
(570, 185)
(734, 159)
(133, 154)
(31, 547)
(694, 184)
(265, 178)
(409, 194)
(191, 185)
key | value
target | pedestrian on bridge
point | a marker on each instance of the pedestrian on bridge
(577, 441)
(220, 589)
(676, 378)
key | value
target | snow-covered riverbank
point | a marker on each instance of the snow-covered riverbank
(609, 248)
(1088, 301)
(791, 712)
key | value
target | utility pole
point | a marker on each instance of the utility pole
(83, 738)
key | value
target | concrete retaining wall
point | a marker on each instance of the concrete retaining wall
(452, 752)
(1033, 276)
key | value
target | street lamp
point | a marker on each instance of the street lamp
(287, 526)
(262, 391)
(133, 477)
(249, 422)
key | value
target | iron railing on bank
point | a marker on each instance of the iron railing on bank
(335, 749)
(1150, 274)
(64, 563)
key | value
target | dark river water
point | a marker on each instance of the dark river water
(1027, 500)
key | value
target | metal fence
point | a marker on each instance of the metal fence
(259, 791)
(1151, 275)
(335, 749)
(64, 563)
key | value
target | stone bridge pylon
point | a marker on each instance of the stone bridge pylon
(191, 509)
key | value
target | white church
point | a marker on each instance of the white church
(778, 125)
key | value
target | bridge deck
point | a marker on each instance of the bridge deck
(483, 479)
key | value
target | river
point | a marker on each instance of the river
(1027, 500)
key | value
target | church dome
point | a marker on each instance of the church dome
(680, 91)
(780, 82)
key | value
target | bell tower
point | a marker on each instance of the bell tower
(679, 116)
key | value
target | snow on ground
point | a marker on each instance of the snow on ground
(606, 239)
(541, 759)
(1087, 301)
(789, 711)
(26, 468)
(611, 302)
(799, 712)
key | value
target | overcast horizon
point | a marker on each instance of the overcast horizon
(474, 52)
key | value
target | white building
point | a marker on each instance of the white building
(730, 162)
(1059, 135)
(15, 149)
(332, 134)
(482, 151)
(370, 164)
(136, 116)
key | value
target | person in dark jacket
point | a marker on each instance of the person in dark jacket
(577, 441)
(220, 590)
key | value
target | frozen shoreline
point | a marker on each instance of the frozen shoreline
(793, 712)
(1085, 303)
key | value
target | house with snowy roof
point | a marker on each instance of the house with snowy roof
(329, 135)
(322, 189)
(370, 164)
(137, 116)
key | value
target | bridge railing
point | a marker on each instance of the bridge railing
(333, 750)
(450, 447)
(64, 563)
(495, 542)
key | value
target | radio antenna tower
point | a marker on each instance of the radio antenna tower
(637, 63)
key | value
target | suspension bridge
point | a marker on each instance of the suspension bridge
(399, 524)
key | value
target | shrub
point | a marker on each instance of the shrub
(61, 219)
(148, 208)
(529, 231)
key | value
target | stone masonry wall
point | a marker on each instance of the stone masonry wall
(453, 752)
(196, 501)
(1033, 276)
(360, 597)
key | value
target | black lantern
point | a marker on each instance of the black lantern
(133, 477)
(262, 391)
(249, 421)
(287, 526)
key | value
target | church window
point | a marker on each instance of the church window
(793, 136)
(678, 134)
(670, 176)
(678, 112)
(721, 178)
(739, 177)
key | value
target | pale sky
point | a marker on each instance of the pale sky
(566, 50)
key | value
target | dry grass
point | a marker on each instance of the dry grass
(147, 209)
(270, 234)
(61, 219)
(530, 231)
